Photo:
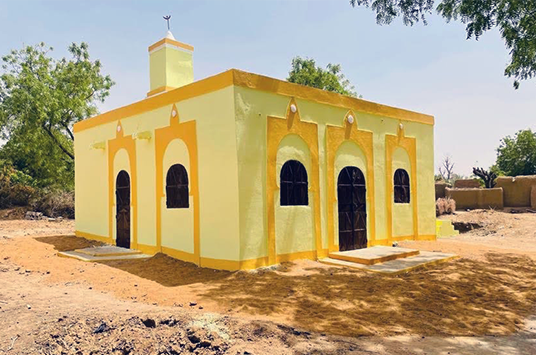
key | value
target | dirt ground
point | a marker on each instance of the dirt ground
(481, 303)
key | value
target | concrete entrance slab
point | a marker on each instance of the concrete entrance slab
(373, 255)
(107, 250)
(104, 253)
(424, 258)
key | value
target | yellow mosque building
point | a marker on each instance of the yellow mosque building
(239, 171)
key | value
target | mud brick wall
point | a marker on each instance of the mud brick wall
(440, 189)
(517, 190)
(476, 198)
(467, 184)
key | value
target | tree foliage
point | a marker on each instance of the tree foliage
(515, 19)
(305, 72)
(41, 98)
(517, 155)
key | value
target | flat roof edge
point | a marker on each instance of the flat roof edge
(264, 83)
(256, 82)
(194, 89)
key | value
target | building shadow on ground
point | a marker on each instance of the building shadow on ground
(68, 242)
(462, 297)
(160, 268)
(168, 271)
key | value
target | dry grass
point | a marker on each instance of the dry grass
(445, 205)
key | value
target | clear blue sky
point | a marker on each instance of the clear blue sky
(431, 69)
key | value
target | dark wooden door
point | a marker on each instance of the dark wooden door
(352, 197)
(122, 201)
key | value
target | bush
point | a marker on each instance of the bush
(445, 206)
(55, 203)
(20, 189)
(16, 188)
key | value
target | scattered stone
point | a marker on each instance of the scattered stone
(103, 327)
(34, 216)
(204, 344)
(194, 339)
(149, 323)
(169, 322)
(192, 304)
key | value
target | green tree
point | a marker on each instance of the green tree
(305, 72)
(515, 19)
(41, 98)
(517, 155)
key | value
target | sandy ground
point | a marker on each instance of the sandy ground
(482, 303)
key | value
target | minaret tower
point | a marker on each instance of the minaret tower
(171, 64)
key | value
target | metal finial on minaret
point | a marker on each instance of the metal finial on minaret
(167, 18)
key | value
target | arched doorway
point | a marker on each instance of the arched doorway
(122, 202)
(352, 197)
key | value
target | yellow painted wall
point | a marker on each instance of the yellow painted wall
(252, 108)
(425, 176)
(231, 130)
(214, 116)
(170, 67)
(91, 180)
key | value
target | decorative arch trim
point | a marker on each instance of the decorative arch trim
(114, 145)
(393, 142)
(335, 137)
(277, 129)
(187, 132)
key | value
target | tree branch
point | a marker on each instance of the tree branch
(49, 132)
(68, 130)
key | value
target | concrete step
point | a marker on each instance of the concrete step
(108, 250)
(373, 255)
(91, 258)
(425, 258)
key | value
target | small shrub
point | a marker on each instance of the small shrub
(16, 188)
(55, 203)
(445, 206)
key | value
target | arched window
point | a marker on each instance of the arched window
(177, 187)
(401, 183)
(293, 183)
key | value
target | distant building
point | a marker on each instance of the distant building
(239, 170)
